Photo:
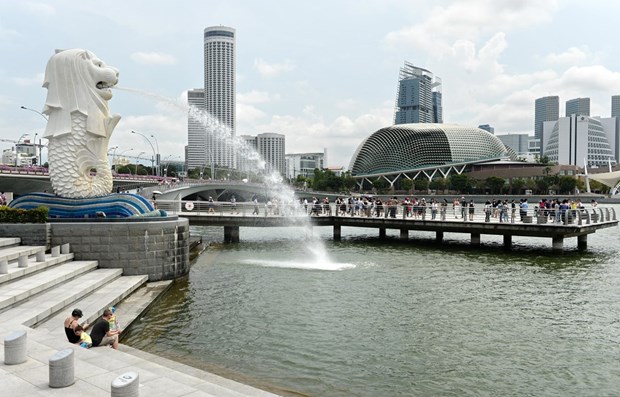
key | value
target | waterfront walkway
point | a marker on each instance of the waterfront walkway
(37, 297)
(532, 222)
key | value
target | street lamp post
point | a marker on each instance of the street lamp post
(35, 135)
(113, 154)
(158, 154)
(138, 158)
(149, 141)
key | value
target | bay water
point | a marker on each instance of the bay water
(396, 318)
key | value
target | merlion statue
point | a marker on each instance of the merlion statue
(79, 129)
(80, 123)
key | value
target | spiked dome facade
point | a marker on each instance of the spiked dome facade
(424, 148)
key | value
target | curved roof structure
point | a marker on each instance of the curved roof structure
(406, 148)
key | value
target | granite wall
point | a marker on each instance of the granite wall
(157, 247)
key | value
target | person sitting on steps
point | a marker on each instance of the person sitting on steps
(71, 323)
(101, 333)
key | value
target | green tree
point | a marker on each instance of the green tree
(495, 184)
(348, 182)
(517, 185)
(123, 170)
(460, 182)
(438, 184)
(326, 180)
(567, 184)
(380, 184)
(420, 184)
(406, 184)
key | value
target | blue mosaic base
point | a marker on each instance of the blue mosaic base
(117, 205)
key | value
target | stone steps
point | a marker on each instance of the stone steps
(24, 288)
(43, 294)
(9, 241)
(16, 272)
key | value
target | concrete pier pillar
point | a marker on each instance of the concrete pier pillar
(4, 266)
(582, 242)
(337, 231)
(126, 385)
(15, 348)
(231, 234)
(381, 232)
(557, 243)
(439, 237)
(62, 369)
(56, 251)
(404, 234)
(41, 256)
(507, 241)
(22, 261)
(475, 239)
(65, 248)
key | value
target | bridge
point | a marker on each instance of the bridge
(548, 224)
(22, 180)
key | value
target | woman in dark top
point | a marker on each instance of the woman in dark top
(71, 323)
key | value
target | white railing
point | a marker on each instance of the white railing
(582, 216)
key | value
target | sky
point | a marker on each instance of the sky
(323, 73)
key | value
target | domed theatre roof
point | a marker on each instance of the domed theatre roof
(409, 147)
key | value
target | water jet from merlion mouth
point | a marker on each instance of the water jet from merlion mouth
(318, 256)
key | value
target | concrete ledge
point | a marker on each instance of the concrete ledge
(159, 249)
(29, 233)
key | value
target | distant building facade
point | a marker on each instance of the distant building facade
(212, 108)
(487, 127)
(196, 149)
(578, 107)
(419, 96)
(615, 106)
(304, 164)
(270, 148)
(220, 92)
(519, 143)
(576, 140)
(545, 109)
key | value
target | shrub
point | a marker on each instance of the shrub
(18, 215)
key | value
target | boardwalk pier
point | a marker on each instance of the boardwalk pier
(577, 223)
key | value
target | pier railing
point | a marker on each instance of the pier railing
(578, 216)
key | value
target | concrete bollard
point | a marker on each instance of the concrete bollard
(62, 368)
(55, 251)
(65, 248)
(4, 266)
(22, 261)
(41, 256)
(15, 348)
(126, 385)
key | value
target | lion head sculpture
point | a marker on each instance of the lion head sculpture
(78, 81)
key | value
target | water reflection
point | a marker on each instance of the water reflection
(408, 318)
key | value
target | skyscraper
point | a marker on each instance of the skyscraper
(220, 92)
(615, 106)
(419, 96)
(196, 154)
(546, 109)
(578, 107)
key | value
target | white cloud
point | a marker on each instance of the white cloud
(150, 58)
(29, 81)
(469, 21)
(273, 69)
(40, 8)
(572, 56)
(257, 97)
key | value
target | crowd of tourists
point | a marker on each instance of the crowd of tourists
(441, 209)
